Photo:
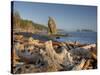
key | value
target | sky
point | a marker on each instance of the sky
(67, 17)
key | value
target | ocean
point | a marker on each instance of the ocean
(82, 37)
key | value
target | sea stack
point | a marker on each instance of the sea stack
(52, 26)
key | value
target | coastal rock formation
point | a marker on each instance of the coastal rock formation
(52, 26)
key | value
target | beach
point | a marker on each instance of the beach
(37, 53)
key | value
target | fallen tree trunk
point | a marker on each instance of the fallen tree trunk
(52, 54)
(80, 66)
(86, 65)
(92, 49)
(89, 46)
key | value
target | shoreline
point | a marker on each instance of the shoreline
(83, 38)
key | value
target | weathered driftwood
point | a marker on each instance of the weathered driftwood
(19, 46)
(74, 44)
(18, 37)
(79, 66)
(51, 52)
(87, 64)
(15, 58)
(84, 65)
(27, 57)
(54, 56)
(89, 46)
(94, 55)
(92, 49)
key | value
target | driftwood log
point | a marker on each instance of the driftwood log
(52, 56)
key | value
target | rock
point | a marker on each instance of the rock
(52, 26)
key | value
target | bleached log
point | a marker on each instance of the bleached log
(80, 66)
(18, 37)
(92, 49)
(15, 58)
(89, 46)
(19, 46)
(52, 54)
(94, 56)
(68, 54)
(86, 65)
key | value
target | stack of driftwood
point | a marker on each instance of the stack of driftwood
(30, 55)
